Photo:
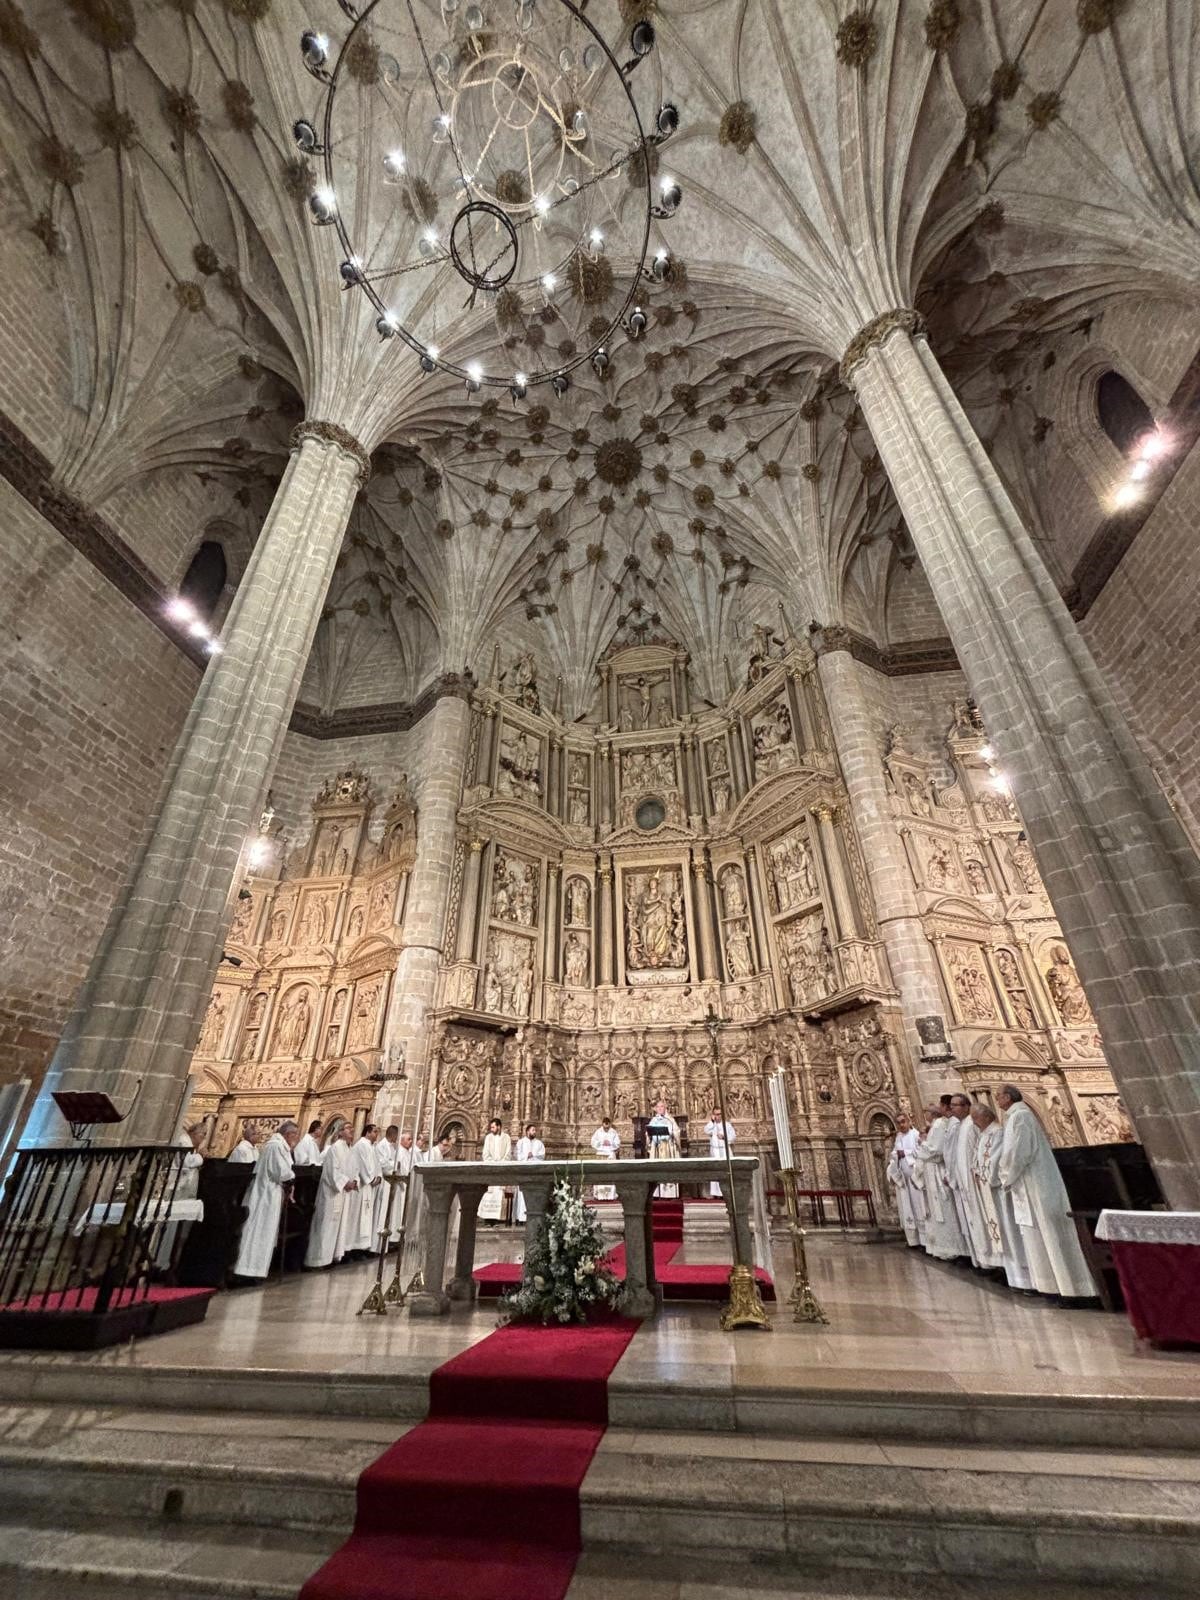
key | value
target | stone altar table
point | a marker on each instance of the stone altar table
(634, 1181)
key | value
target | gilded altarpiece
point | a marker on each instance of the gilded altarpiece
(295, 1027)
(1017, 1009)
(617, 877)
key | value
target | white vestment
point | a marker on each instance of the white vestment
(385, 1155)
(359, 1209)
(910, 1202)
(243, 1153)
(260, 1232)
(606, 1142)
(943, 1236)
(662, 1135)
(527, 1150)
(966, 1188)
(496, 1147)
(997, 1205)
(718, 1133)
(308, 1153)
(404, 1166)
(1030, 1173)
(337, 1170)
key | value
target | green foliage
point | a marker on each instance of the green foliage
(565, 1279)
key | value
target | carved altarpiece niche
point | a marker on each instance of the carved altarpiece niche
(1017, 1008)
(297, 1029)
(666, 859)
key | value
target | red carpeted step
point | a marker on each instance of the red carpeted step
(514, 1422)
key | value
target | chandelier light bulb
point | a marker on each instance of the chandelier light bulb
(474, 372)
(314, 49)
(642, 39)
(637, 323)
(661, 266)
(429, 242)
(560, 383)
(600, 362)
(667, 120)
(596, 239)
(351, 270)
(323, 205)
(393, 163)
(520, 386)
(305, 136)
(387, 325)
(542, 204)
(669, 195)
(429, 360)
(549, 282)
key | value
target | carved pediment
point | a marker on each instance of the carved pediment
(517, 823)
(777, 799)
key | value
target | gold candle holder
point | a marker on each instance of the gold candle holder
(377, 1300)
(807, 1306)
(745, 1308)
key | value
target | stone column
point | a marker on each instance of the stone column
(140, 1010)
(446, 732)
(754, 893)
(703, 911)
(550, 972)
(1123, 880)
(843, 902)
(468, 907)
(640, 1297)
(604, 889)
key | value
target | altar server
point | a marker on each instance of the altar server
(909, 1200)
(606, 1142)
(497, 1146)
(405, 1157)
(337, 1187)
(308, 1151)
(662, 1135)
(357, 1215)
(260, 1232)
(529, 1148)
(1030, 1173)
(943, 1236)
(244, 1152)
(385, 1152)
(720, 1133)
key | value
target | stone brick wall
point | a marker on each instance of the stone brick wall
(93, 698)
(35, 374)
(1144, 631)
(305, 764)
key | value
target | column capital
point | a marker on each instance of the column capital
(333, 433)
(877, 332)
(477, 845)
(823, 811)
(827, 637)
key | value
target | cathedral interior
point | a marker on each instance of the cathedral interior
(557, 557)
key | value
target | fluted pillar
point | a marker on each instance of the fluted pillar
(139, 1013)
(1122, 877)
(910, 955)
(550, 972)
(468, 906)
(703, 911)
(843, 903)
(605, 965)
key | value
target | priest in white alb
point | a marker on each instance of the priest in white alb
(662, 1137)
(721, 1135)
(264, 1203)
(943, 1236)
(1030, 1173)
(386, 1152)
(606, 1142)
(497, 1146)
(358, 1215)
(996, 1201)
(338, 1186)
(308, 1151)
(910, 1202)
(984, 1253)
(244, 1152)
(529, 1148)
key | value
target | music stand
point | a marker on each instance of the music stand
(86, 1110)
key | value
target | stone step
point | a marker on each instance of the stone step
(686, 1396)
(973, 1511)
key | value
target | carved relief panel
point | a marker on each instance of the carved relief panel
(508, 974)
(366, 1014)
(644, 701)
(520, 773)
(579, 787)
(293, 1023)
(790, 872)
(720, 782)
(735, 925)
(773, 739)
(971, 991)
(514, 889)
(806, 952)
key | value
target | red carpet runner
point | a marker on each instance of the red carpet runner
(481, 1500)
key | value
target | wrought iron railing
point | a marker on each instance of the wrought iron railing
(85, 1229)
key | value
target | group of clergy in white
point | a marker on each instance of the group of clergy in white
(498, 1146)
(986, 1189)
(355, 1205)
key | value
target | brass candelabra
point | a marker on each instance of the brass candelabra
(807, 1308)
(745, 1308)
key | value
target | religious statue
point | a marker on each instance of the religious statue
(977, 875)
(520, 768)
(577, 902)
(825, 964)
(941, 870)
(1066, 990)
(1018, 995)
(522, 987)
(314, 921)
(578, 807)
(524, 682)
(735, 898)
(1024, 864)
(967, 721)
(214, 1026)
(738, 953)
(576, 960)
(720, 795)
(773, 746)
(792, 873)
(240, 925)
(278, 924)
(1062, 1123)
(577, 772)
(493, 992)
(918, 799)
(294, 1024)
(760, 653)
(971, 988)
(354, 927)
(649, 920)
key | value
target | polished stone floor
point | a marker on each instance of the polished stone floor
(896, 1319)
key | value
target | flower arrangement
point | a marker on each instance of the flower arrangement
(565, 1278)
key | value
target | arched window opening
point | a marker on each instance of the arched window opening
(1123, 414)
(204, 580)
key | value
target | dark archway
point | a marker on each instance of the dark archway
(204, 581)
(1123, 414)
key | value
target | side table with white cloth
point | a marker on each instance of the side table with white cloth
(1157, 1257)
